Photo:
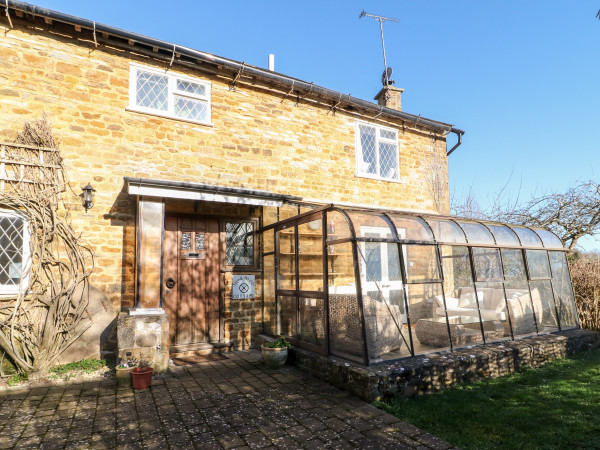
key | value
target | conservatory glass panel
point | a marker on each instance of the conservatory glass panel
(537, 261)
(270, 313)
(446, 231)
(492, 309)
(364, 223)
(310, 256)
(543, 305)
(476, 233)
(337, 226)
(430, 333)
(411, 228)
(286, 277)
(519, 300)
(487, 264)
(528, 238)
(312, 321)
(288, 314)
(504, 235)
(549, 239)
(421, 263)
(345, 326)
(563, 291)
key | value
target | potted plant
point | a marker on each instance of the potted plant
(275, 353)
(123, 372)
(141, 376)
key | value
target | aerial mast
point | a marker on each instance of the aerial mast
(387, 71)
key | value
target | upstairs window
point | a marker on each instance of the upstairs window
(170, 95)
(14, 251)
(377, 152)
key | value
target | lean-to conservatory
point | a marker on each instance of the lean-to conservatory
(370, 286)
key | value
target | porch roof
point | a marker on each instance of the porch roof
(206, 192)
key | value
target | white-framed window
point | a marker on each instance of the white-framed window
(14, 251)
(154, 91)
(377, 154)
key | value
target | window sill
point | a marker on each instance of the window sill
(376, 178)
(166, 116)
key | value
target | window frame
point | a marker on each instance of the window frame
(255, 237)
(359, 151)
(172, 93)
(10, 289)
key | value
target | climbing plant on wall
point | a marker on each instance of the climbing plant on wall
(44, 292)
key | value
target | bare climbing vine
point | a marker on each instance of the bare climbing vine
(49, 311)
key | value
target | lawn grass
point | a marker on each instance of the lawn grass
(554, 407)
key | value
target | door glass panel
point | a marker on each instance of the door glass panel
(200, 241)
(186, 241)
(286, 277)
(310, 255)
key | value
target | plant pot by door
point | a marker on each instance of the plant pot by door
(142, 377)
(274, 358)
(124, 376)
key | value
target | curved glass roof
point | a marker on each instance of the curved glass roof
(370, 224)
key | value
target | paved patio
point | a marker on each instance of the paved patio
(230, 403)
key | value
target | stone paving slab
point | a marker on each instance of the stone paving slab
(233, 403)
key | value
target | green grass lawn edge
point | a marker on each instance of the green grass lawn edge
(553, 407)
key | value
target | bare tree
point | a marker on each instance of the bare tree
(570, 215)
(436, 177)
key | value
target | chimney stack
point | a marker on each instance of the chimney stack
(391, 97)
(271, 62)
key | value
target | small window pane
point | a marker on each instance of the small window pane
(386, 134)
(199, 241)
(11, 248)
(152, 91)
(187, 108)
(239, 243)
(537, 261)
(186, 241)
(368, 164)
(388, 160)
(191, 88)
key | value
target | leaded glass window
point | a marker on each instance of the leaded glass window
(239, 238)
(377, 152)
(14, 241)
(154, 91)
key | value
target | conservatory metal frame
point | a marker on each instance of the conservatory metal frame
(547, 242)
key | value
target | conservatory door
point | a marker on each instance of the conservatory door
(191, 265)
(382, 278)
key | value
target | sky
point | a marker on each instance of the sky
(520, 77)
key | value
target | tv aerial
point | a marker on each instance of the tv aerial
(387, 71)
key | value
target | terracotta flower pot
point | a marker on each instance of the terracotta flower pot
(124, 376)
(142, 377)
(274, 358)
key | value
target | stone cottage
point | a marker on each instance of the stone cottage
(197, 161)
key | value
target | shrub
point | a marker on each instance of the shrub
(585, 273)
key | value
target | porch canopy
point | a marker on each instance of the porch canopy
(374, 286)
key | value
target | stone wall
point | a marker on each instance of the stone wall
(429, 373)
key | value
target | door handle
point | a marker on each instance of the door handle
(171, 283)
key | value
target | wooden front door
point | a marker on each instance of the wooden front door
(191, 274)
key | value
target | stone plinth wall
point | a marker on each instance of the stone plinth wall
(145, 338)
(430, 373)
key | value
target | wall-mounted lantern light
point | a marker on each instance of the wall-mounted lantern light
(88, 197)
